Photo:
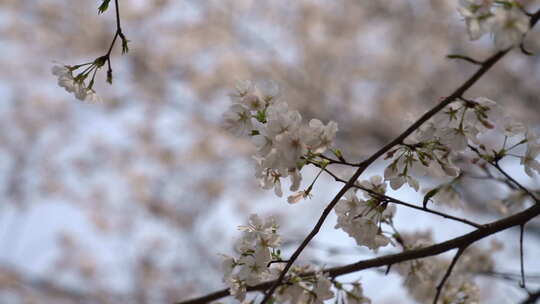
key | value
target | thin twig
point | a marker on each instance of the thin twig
(388, 269)
(117, 34)
(496, 165)
(340, 161)
(509, 276)
(521, 230)
(466, 58)
(274, 262)
(490, 177)
(399, 202)
(524, 50)
(448, 272)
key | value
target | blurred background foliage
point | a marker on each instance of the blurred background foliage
(128, 201)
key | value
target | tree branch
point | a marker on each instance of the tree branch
(455, 243)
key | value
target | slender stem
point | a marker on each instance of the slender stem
(466, 58)
(491, 178)
(113, 43)
(496, 165)
(521, 230)
(340, 162)
(516, 144)
(509, 276)
(448, 272)
(399, 202)
(117, 7)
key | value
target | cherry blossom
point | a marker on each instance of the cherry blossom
(528, 160)
(356, 295)
(237, 120)
(283, 143)
(510, 25)
(477, 16)
(73, 84)
(361, 220)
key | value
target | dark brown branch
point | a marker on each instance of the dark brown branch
(455, 243)
(448, 272)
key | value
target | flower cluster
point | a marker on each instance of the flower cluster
(283, 143)
(75, 84)
(431, 150)
(356, 294)
(310, 289)
(259, 260)
(416, 159)
(361, 219)
(315, 288)
(422, 276)
(256, 248)
(504, 19)
(284, 146)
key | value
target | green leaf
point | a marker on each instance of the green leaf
(104, 6)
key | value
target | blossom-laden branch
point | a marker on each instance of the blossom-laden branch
(76, 84)
(484, 67)
(285, 146)
(455, 243)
